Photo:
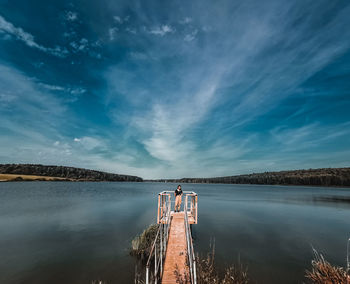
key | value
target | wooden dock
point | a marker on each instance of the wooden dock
(176, 253)
(172, 254)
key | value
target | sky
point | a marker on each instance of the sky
(172, 89)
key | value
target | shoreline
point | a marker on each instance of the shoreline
(265, 184)
(33, 178)
(20, 177)
(321, 177)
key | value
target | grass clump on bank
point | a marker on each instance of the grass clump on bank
(15, 177)
(207, 272)
(141, 245)
(322, 272)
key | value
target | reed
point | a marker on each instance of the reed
(322, 272)
(207, 272)
(141, 245)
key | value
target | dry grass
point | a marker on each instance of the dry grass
(323, 272)
(207, 273)
(141, 245)
(15, 177)
(237, 274)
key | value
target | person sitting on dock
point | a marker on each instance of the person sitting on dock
(178, 196)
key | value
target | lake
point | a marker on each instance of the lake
(76, 232)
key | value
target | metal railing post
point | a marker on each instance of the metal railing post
(147, 275)
(190, 251)
(155, 263)
(196, 219)
(158, 213)
(194, 273)
(161, 248)
(348, 263)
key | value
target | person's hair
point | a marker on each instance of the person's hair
(179, 186)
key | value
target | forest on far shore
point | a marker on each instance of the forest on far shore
(321, 177)
(317, 177)
(68, 173)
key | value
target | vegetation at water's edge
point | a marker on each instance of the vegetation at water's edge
(68, 173)
(141, 245)
(207, 272)
(16, 177)
(321, 177)
(323, 272)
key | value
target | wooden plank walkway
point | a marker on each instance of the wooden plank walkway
(176, 253)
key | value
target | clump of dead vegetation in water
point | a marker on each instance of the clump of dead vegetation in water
(207, 272)
(141, 245)
(323, 272)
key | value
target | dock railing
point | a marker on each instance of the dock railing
(158, 250)
(190, 200)
(348, 262)
(154, 266)
(191, 206)
(190, 250)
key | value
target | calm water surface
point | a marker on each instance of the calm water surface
(61, 232)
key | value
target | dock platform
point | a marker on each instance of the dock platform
(176, 253)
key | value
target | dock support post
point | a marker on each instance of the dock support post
(155, 264)
(158, 217)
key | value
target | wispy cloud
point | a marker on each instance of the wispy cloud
(28, 39)
(71, 16)
(118, 19)
(185, 20)
(52, 87)
(131, 30)
(162, 30)
(33, 134)
(112, 33)
(22, 118)
(308, 136)
(191, 36)
(138, 55)
(179, 90)
(261, 63)
(76, 91)
(89, 143)
(81, 45)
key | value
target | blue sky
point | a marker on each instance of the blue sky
(164, 89)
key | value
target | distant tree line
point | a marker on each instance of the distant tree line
(321, 177)
(64, 172)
